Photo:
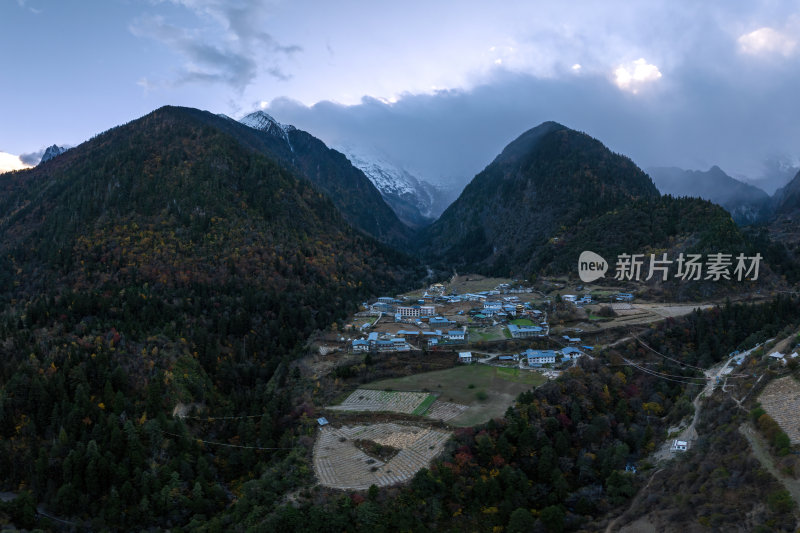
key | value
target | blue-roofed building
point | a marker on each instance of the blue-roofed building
(439, 321)
(456, 335)
(539, 357)
(571, 352)
(360, 345)
(521, 332)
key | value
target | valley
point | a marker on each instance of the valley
(217, 325)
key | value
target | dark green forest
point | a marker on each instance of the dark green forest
(171, 266)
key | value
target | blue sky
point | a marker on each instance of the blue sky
(439, 87)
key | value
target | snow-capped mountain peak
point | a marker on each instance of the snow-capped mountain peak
(51, 152)
(262, 121)
(414, 200)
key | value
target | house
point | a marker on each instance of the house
(400, 345)
(381, 307)
(571, 339)
(456, 335)
(570, 353)
(372, 338)
(521, 332)
(679, 446)
(514, 357)
(439, 321)
(433, 342)
(412, 311)
(322, 421)
(385, 345)
(624, 297)
(464, 357)
(360, 345)
(539, 357)
(569, 298)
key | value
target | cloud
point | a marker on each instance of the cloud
(10, 162)
(632, 76)
(32, 158)
(768, 41)
(703, 117)
(34, 10)
(230, 45)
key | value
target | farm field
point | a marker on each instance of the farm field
(339, 463)
(781, 400)
(487, 390)
(412, 403)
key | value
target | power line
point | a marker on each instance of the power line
(215, 418)
(222, 443)
(664, 356)
(668, 377)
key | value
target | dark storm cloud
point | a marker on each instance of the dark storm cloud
(32, 158)
(697, 116)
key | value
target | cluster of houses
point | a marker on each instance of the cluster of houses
(401, 341)
(375, 344)
(534, 358)
(539, 358)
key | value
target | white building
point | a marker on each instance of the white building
(679, 446)
(464, 357)
(416, 310)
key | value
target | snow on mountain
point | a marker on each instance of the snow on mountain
(264, 122)
(415, 200)
(51, 152)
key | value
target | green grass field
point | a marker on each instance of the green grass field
(522, 322)
(424, 406)
(461, 384)
(482, 334)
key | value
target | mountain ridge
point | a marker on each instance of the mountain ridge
(747, 203)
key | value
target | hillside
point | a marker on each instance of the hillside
(348, 188)
(783, 225)
(555, 192)
(746, 203)
(163, 262)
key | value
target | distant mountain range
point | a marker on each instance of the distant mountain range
(746, 203)
(553, 193)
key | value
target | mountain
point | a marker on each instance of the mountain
(51, 152)
(347, 187)
(553, 193)
(746, 203)
(164, 263)
(415, 201)
(174, 199)
(784, 225)
(548, 178)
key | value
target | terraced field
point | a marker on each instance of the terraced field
(781, 400)
(338, 463)
(416, 403)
